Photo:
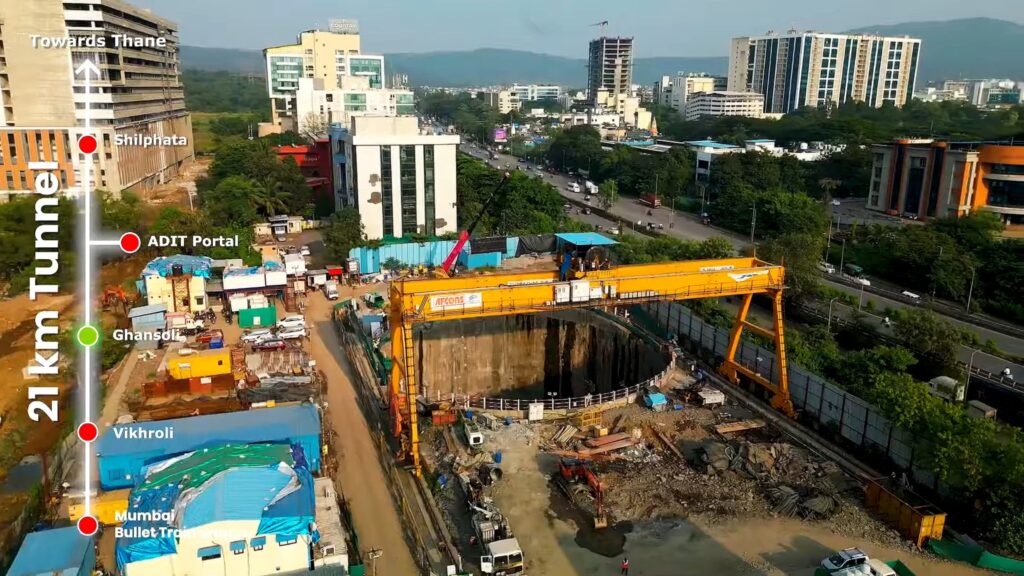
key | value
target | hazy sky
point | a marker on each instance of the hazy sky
(661, 27)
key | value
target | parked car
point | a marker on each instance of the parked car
(292, 333)
(296, 321)
(836, 202)
(271, 344)
(847, 558)
(304, 250)
(258, 335)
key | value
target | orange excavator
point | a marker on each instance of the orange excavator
(574, 478)
(117, 297)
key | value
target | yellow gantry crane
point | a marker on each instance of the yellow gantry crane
(415, 301)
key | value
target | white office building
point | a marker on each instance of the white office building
(724, 104)
(533, 92)
(316, 105)
(401, 179)
(504, 101)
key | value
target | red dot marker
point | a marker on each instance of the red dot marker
(130, 242)
(87, 144)
(88, 432)
(88, 525)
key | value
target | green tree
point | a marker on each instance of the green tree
(933, 341)
(608, 194)
(232, 201)
(122, 214)
(342, 233)
(799, 253)
(392, 265)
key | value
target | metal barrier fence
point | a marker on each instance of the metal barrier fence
(852, 418)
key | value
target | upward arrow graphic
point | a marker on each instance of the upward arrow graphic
(88, 68)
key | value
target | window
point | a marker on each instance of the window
(387, 189)
(286, 539)
(429, 216)
(209, 553)
(200, 300)
(257, 544)
(407, 174)
(237, 547)
(329, 97)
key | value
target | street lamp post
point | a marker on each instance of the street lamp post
(860, 300)
(970, 292)
(828, 241)
(828, 327)
(970, 368)
(842, 256)
(672, 214)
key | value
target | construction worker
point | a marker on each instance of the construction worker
(625, 567)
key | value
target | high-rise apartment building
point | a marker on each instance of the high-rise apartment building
(136, 105)
(610, 66)
(320, 106)
(800, 69)
(330, 55)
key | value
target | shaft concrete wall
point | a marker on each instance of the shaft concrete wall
(570, 353)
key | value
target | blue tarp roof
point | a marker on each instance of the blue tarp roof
(268, 266)
(147, 310)
(194, 265)
(585, 239)
(710, 144)
(236, 494)
(51, 551)
(248, 427)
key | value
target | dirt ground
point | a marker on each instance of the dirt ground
(360, 475)
(673, 519)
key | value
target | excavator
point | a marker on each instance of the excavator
(574, 478)
(117, 297)
(447, 269)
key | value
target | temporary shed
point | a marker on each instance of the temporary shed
(124, 450)
(62, 551)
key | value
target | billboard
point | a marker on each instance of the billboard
(500, 135)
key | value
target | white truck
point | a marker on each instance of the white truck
(591, 187)
(331, 289)
(503, 557)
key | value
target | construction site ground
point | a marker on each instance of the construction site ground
(671, 516)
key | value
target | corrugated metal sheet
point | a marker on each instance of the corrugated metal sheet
(58, 551)
(416, 254)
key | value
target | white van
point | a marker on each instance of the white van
(914, 297)
(574, 187)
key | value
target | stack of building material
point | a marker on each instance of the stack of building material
(564, 434)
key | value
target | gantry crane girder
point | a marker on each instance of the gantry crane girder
(415, 301)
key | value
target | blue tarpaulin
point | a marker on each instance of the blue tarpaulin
(63, 551)
(585, 239)
(121, 459)
(194, 265)
(281, 497)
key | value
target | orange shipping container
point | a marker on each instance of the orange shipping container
(200, 364)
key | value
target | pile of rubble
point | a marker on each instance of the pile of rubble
(794, 482)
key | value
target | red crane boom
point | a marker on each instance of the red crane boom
(449, 262)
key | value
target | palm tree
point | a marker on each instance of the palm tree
(270, 200)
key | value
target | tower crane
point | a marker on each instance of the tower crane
(602, 24)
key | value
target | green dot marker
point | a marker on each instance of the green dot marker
(88, 336)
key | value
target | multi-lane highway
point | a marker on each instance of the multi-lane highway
(687, 227)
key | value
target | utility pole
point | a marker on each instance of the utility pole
(374, 554)
(828, 327)
(935, 283)
(753, 221)
(828, 241)
(842, 256)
